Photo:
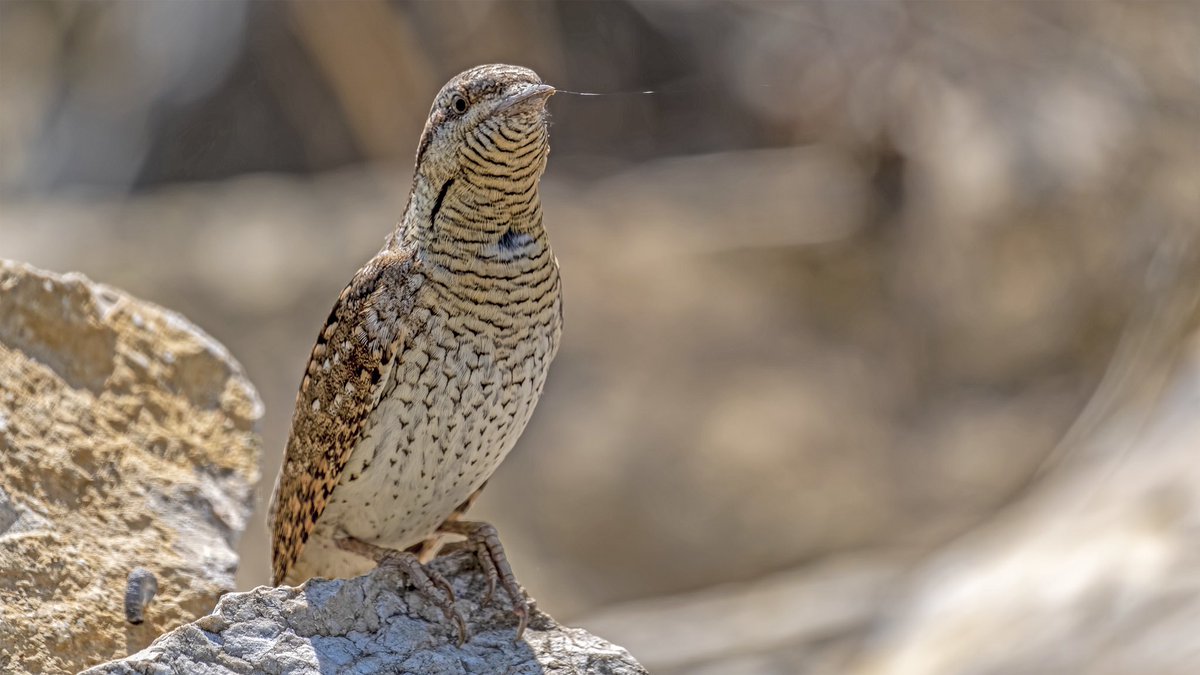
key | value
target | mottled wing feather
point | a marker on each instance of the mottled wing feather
(346, 374)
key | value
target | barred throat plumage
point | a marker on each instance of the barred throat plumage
(435, 355)
(485, 248)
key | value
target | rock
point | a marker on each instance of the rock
(363, 625)
(128, 438)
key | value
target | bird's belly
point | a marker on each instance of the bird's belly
(432, 441)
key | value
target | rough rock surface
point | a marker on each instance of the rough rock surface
(128, 439)
(363, 625)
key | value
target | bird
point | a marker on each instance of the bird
(433, 357)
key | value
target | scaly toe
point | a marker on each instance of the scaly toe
(494, 563)
(429, 583)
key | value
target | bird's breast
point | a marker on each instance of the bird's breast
(452, 407)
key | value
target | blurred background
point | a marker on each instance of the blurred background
(881, 348)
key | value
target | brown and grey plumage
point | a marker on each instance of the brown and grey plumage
(435, 354)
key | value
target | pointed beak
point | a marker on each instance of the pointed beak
(543, 91)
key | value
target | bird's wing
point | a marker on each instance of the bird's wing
(347, 371)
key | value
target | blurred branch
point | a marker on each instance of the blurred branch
(803, 605)
(1154, 339)
(370, 57)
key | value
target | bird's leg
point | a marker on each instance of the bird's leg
(484, 541)
(428, 583)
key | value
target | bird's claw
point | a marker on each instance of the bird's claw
(429, 583)
(484, 541)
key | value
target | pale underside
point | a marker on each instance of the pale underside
(452, 407)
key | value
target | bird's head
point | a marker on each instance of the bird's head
(489, 121)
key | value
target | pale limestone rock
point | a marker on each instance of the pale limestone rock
(363, 625)
(128, 439)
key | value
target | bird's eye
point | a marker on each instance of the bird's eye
(458, 104)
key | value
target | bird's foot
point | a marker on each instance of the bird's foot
(428, 583)
(484, 542)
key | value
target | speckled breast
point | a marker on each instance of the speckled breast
(455, 404)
